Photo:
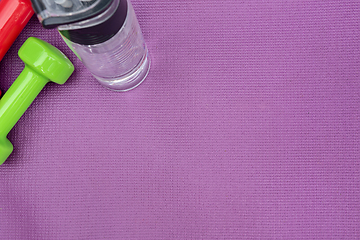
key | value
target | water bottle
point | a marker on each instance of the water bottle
(104, 34)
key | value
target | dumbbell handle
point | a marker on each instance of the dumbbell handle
(19, 97)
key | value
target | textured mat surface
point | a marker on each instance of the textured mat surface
(247, 127)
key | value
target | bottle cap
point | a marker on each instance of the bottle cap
(97, 29)
(53, 13)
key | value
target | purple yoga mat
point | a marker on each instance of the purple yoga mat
(247, 127)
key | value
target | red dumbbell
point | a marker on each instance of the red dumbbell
(14, 15)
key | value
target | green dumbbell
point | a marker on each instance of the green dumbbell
(43, 63)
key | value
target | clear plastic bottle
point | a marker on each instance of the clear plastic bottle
(109, 43)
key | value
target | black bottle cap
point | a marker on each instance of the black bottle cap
(99, 33)
(53, 13)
